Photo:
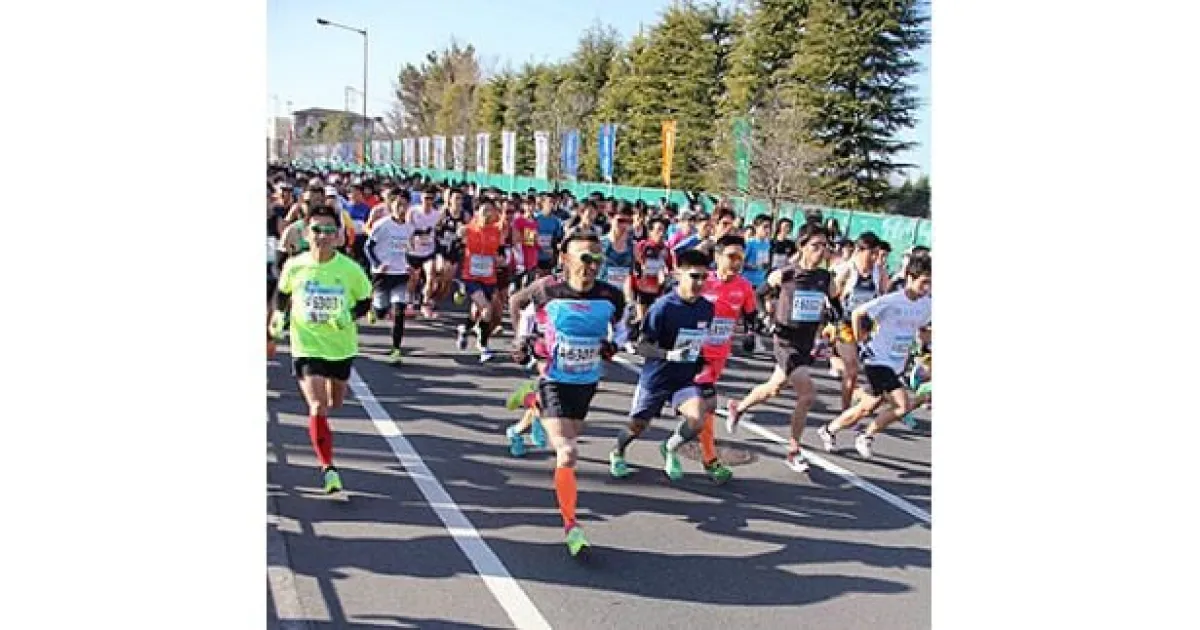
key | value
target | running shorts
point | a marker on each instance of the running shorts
(644, 298)
(790, 356)
(565, 400)
(882, 379)
(417, 261)
(313, 366)
(711, 372)
(648, 405)
(389, 289)
(471, 286)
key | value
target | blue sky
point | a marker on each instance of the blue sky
(311, 65)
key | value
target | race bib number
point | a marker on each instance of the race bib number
(689, 339)
(544, 240)
(618, 275)
(399, 247)
(763, 259)
(423, 242)
(900, 347)
(778, 260)
(577, 356)
(482, 266)
(653, 266)
(447, 239)
(721, 331)
(531, 238)
(321, 307)
(858, 298)
(806, 305)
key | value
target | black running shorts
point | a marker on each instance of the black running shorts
(312, 366)
(882, 379)
(565, 400)
(792, 354)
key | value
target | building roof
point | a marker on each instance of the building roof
(321, 111)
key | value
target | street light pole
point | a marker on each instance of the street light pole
(365, 120)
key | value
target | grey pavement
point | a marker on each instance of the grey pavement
(773, 548)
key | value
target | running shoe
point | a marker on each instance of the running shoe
(909, 421)
(538, 433)
(333, 481)
(718, 472)
(371, 318)
(427, 311)
(863, 444)
(410, 311)
(516, 441)
(833, 373)
(394, 357)
(575, 540)
(460, 297)
(630, 348)
(671, 464)
(486, 355)
(796, 461)
(732, 416)
(517, 399)
(827, 439)
(461, 341)
(617, 466)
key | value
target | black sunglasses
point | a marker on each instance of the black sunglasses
(697, 275)
(589, 258)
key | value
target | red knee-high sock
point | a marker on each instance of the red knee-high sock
(322, 439)
(564, 487)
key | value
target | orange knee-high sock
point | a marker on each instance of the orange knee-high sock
(564, 487)
(708, 440)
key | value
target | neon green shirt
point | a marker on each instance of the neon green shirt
(319, 292)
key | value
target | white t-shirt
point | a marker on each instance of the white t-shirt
(897, 320)
(392, 243)
(424, 225)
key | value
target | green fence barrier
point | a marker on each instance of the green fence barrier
(901, 232)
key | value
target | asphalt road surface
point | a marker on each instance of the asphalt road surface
(442, 528)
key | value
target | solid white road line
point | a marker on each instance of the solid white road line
(819, 461)
(504, 588)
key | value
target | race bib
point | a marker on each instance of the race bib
(778, 260)
(577, 355)
(399, 247)
(653, 266)
(272, 245)
(321, 307)
(618, 275)
(806, 305)
(544, 240)
(447, 239)
(858, 298)
(423, 243)
(762, 259)
(482, 266)
(531, 238)
(689, 339)
(900, 347)
(721, 331)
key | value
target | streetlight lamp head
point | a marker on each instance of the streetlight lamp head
(322, 21)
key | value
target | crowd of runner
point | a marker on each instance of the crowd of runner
(582, 280)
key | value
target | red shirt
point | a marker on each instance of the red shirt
(648, 260)
(731, 300)
(479, 258)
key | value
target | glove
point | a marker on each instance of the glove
(275, 329)
(678, 355)
(607, 350)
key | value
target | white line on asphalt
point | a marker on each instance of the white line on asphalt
(821, 462)
(506, 590)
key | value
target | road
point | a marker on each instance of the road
(443, 529)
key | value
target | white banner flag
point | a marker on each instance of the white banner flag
(541, 154)
(482, 142)
(424, 142)
(460, 150)
(439, 153)
(508, 152)
(410, 153)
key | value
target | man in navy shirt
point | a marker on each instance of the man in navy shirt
(675, 328)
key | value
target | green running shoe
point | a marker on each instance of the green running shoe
(617, 466)
(516, 398)
(394, 357)
(333, 481)
(575, 540)
(671, 464)
(718, 472)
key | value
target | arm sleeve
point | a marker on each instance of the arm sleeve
(369, 250)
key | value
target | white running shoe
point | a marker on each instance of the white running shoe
(863, 444)
(732, 417)
(827, 438)
(485, 355)
(797, 462)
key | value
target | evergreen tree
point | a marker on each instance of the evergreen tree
(616, 105)
(851, 76)
(584, 78)
(489, 117)
(518, 114)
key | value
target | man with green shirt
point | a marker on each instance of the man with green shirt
(322, 292)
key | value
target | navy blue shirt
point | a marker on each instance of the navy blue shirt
(672, 323)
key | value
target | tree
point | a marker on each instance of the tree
(911, 199)
(584, 78)
(851, 76)
(518, 115)
(335, 129)
(430, 97)
(784, 164)
(489, 115)
(616, 104)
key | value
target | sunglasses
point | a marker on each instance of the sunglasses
(589, 258)
(325, 229)
(698, 276)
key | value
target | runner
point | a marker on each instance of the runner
(324, 292)
(550, 234)
(652, 261)
(525, 239)
(783, 247)
(801, 294)
(387, 250)
(733, 299)
(858, 284)
(424, 218)
(532, 353)
(482, 258)
(898, 317)
(758, 252)
(618, 251)
(448, 253)
(675, 328)
(579, 312)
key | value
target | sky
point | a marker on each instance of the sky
(311, 65)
